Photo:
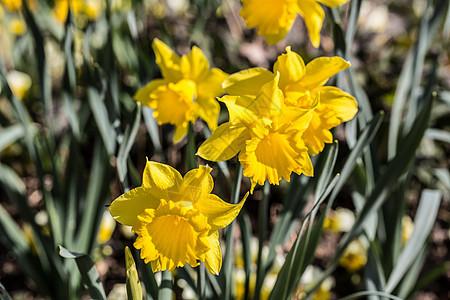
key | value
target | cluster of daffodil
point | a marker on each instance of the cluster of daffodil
(277, 120)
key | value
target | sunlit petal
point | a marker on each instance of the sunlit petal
(247, 82)
(219, 212)
(213, 258)
(313, 14)
(341, 103)
(290, 66)
(128, 206)
(224, 143)
(319, 70)
(196, 184)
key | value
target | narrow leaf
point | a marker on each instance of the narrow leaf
(89, 275)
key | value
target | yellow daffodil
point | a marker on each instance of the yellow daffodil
(90, 8)
(186, 91)
(19, 83)
(274, 19)
(12, 5)
(407, 229)
(354, 256)
(309, 279)
(339, 220)
(266, 136)
(107, 226)
(17, 26)
(176, 218)
(303, 88)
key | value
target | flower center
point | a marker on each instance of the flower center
(174, 103)
(171, 235)
(301, 99)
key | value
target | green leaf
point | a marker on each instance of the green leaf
(134, 289)
(10, 135)
(364, 295)
(89, 275)
(11, 181)
(423, 223)
(4, 293)
(100, 113)
(126, 145)
(94, 200)
(303, 250)
(152, 128)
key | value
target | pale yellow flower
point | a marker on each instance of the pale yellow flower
(17, 26)
(19, 83)
(107, 226)
(354, 256)
(407, 228)
(186, 91)
(339, 220)
(309, 279)
(274, 19)
(176, 218)
(12, 5)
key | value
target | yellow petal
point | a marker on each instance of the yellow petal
(211, 85)
(167, 60)
(319, 70)
(313, 14)
(195, 65)
(208, 109)
(247, 82)
(333, 3)
(180, 133)
(224, 143)
(213, 258)
(197, 183)
(297, 117)
(161, 178)
(341, 103)
(128, 206)
(268, 101)
(290, 66)
(143, 94)
(238, 112)
(218, 212)
(272, 18)
(318, 132)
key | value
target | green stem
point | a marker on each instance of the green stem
(191, 158)
(262, 229)
(228, 260)
(201, 281)
(165, 289)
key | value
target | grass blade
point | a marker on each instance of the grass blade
(425, 218)
(89, 275)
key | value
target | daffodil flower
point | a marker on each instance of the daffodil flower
(90, 8)
(303, 88)
(176, 218)
(265, 134)
(186, 91)
(274, 19)
(354, 256)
